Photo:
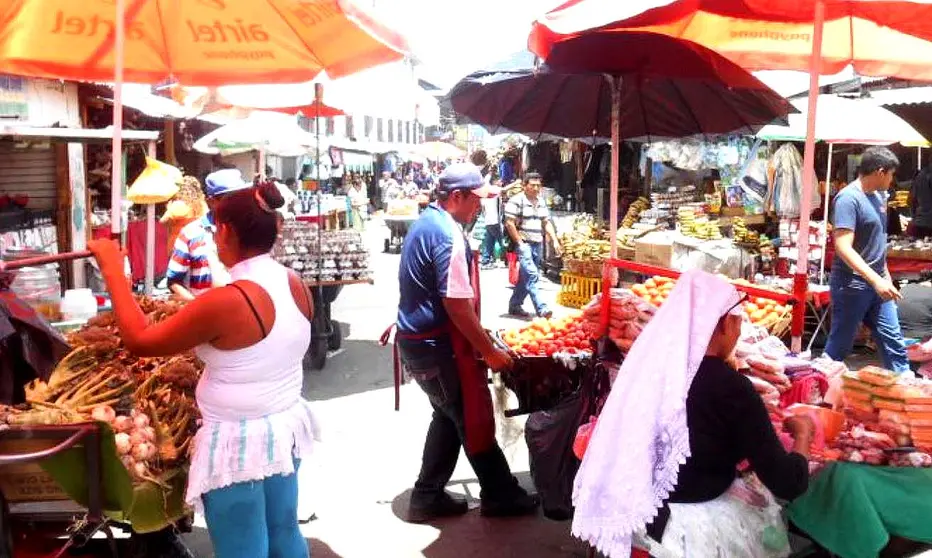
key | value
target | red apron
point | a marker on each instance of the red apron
(473, 374)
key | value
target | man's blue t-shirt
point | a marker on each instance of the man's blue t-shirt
(866, 215)
(435, 264)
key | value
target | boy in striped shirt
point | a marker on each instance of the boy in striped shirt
(194, 266)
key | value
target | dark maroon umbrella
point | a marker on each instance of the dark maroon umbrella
(668, 89)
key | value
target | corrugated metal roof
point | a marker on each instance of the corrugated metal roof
(904, 96)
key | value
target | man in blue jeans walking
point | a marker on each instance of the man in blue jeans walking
(527, 219)
(861, 287)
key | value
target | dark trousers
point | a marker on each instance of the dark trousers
(432, 365)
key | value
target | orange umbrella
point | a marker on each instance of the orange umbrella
(195, 42)
(878, 37)
(204, 42)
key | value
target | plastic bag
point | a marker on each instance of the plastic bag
(550, 436)
(583, 435)
(29, 347)
(512, 267)
(158, 183)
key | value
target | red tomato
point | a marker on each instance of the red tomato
(533, 347)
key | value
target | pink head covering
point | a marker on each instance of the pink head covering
(641, 438)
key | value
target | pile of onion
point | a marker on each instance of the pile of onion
(135, 438)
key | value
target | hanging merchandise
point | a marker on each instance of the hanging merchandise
(566, 151)
(786, 182)
(158, 183)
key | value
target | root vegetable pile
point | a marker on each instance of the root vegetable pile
(547, 337)
(149, 402)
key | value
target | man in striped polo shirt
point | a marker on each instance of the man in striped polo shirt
(527, 220)
(194, 267)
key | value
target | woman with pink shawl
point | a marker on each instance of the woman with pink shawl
(661, 466)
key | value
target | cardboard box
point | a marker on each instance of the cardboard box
(654, 249)
(733, 211)
(28, 482)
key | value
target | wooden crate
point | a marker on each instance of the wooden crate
(28, 482)
(576, 291)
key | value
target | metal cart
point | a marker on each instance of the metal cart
(72, 525)
(398, 228)
(325, 331)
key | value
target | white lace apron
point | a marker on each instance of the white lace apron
(733, 525)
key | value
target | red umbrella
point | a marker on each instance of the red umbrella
(878, 37)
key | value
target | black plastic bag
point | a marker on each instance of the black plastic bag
(29, 347)
(550, 435)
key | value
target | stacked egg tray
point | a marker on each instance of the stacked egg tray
(334, 256)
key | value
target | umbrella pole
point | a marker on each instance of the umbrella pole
(801, 282)
(828, 198)
(116, 164)
(615, 84)
(919, 158)
(150, 237)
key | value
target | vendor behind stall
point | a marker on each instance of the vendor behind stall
(678, 422)
(438, 336)
(194, 267)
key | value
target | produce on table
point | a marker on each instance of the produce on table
(634, 212)
(752, 240)
(768, 369)
(628, 314)
(697, 227)
(586, 242)
(148, 402)
(549, 337)
(900, 199)
(761, 311)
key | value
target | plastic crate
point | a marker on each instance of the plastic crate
(576, 291)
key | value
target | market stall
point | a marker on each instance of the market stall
(327, 261)
(102, 437)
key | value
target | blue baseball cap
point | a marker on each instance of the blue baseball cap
(224, 181)
(465, 176)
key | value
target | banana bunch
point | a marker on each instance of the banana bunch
(742, 234)
(586, 249)
(634, 212)
(900, 199)
(697, 227)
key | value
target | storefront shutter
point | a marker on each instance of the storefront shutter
(28, 171)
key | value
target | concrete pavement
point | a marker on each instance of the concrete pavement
(357, 484)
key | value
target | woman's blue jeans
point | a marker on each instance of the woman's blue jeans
(853, 303)
(257, 519)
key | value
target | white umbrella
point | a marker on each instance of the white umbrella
(270, 132)
(841, 120)
(844, 121)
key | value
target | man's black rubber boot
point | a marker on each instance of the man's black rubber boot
(444, 505)
(520, 504)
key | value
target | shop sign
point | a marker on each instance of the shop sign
(13, 100)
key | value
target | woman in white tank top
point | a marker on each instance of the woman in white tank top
(252, 336)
